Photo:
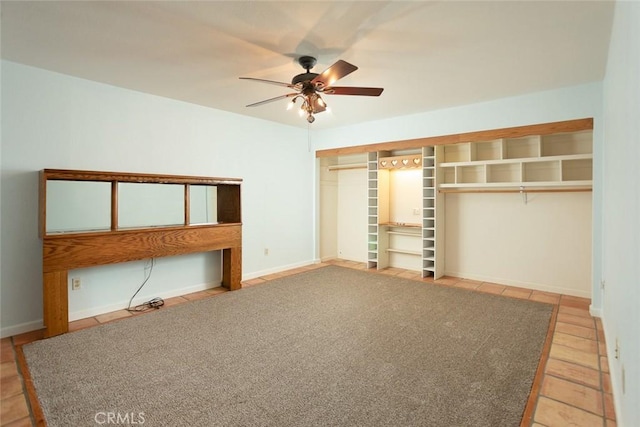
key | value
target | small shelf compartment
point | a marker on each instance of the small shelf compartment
(457, 153)
(449, 175)
(564, 144)
(471, 174)
(522, 148)
(504, 172)
(541, 171)
(488, 150)
(577, 170)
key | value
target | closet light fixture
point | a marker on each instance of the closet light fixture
(400, 162)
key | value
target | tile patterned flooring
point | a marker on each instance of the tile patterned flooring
(575, 388)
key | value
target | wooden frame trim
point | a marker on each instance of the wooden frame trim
(29, 388)
(82, 175)
(529, 410)
(484, 135)
(68, 252)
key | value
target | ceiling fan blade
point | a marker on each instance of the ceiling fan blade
(334, 73)
(266, 101)
(347, 90)
(289, 85)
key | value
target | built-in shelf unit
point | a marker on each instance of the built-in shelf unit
(549, 157)
(393, 241)
(432, 213)
(373, 260)
(556, 160)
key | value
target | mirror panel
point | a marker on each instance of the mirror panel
(150, 205)
(78, 206)
(203, 204)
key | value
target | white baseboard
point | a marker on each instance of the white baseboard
(95, 311)
(528, 285)
(21, 328)
(278, 269)
(595, 312)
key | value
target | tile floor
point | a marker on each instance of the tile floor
(575, 388)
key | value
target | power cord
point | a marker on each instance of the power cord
(152, 303)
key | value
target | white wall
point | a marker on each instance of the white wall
(352, 214)
(405, 195)
(327, 230)
(544, 244)
(342, 212)
(621, 237)
(56, 121)
(542, 107)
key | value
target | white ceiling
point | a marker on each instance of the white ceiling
(427, 55)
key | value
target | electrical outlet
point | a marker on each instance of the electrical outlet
(266, 251)
(416, 211)
(616, 351)
(76, 284)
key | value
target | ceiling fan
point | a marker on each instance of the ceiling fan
(309, 86)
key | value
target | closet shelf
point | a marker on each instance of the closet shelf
(400, 233)
(518, 160)
(558, 160)
(528, 186)
(517, 190)
(400, 224)
(404, 251)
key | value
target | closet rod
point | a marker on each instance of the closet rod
(345, 167)
(517, 190)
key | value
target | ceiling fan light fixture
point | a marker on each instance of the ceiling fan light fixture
(308, 86)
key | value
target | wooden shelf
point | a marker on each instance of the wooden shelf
(401, 224)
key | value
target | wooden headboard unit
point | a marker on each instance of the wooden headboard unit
(71, 249)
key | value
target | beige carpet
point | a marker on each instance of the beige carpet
(330, 347)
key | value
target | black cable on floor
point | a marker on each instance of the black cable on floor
(152, 303)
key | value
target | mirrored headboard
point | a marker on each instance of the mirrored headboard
(87, 201)
(92, 218)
